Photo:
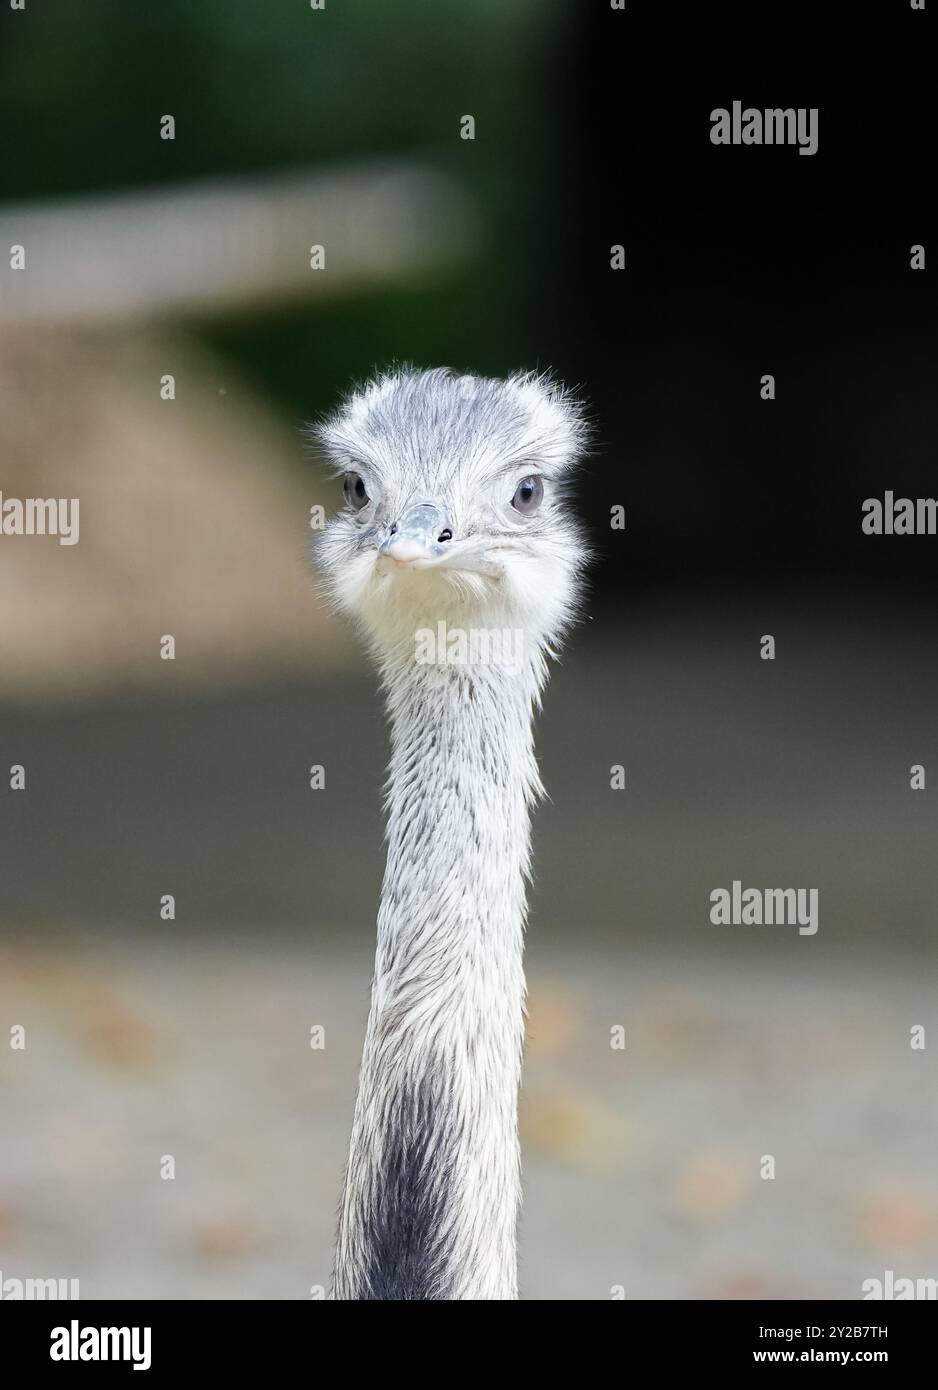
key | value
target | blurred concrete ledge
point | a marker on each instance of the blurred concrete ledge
(231, 243)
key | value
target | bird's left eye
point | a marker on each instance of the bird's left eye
(528, 495)
(356, 494)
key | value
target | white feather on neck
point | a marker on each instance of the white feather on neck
(448, 993)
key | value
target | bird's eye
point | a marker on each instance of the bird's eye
(356, 494)
(528, 495)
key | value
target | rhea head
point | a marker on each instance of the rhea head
(455, 506)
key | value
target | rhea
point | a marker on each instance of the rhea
(456, 522)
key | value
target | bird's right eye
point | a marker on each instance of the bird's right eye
(356, 494)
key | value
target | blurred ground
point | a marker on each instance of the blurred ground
(641, 1166)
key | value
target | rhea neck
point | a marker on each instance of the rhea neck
(433, 1183)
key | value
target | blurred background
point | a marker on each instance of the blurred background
(189, 258)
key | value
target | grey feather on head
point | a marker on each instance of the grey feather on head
(456, 505)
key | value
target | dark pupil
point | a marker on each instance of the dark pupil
(359, 488)
(527, 491)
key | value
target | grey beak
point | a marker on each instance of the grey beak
(416, 534)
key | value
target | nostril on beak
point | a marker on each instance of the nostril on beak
(415, 536)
